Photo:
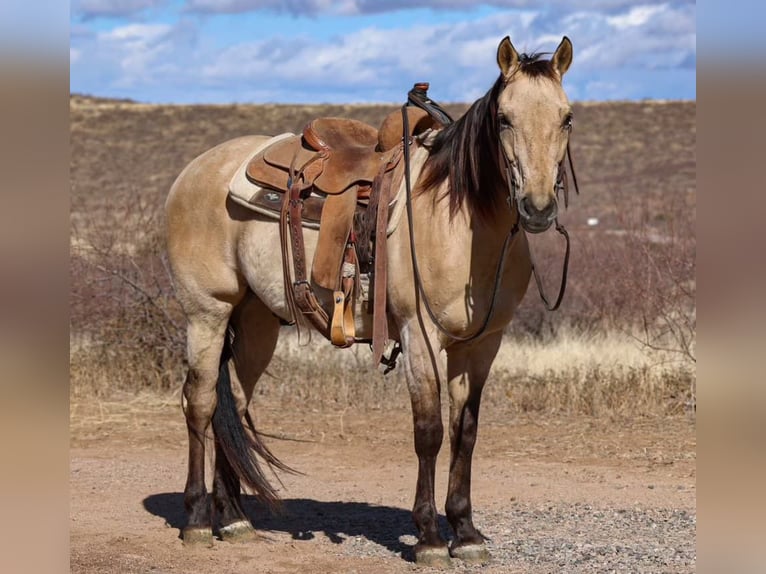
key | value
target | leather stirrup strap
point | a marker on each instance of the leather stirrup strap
(379, 317)
(286, 278)
(304, 299)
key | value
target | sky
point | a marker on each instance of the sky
(356, 51)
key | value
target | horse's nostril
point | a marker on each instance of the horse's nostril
(550, 210)
(530, 210)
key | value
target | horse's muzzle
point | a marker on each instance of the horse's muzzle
(535, 220)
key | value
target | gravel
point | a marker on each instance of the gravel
(567, 539)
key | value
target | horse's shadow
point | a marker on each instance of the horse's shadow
(303, 519)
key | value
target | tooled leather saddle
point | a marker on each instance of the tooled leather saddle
(340, 172)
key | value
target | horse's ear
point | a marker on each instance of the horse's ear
(507, 57)
(562, 57)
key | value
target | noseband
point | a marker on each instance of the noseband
(512, 178)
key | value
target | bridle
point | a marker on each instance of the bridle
(512, 178)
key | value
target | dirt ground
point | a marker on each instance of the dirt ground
(551, 493)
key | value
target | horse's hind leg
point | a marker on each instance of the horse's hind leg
(205, 336)
(256, 331)
(467, 370)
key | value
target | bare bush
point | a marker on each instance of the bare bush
(129, 329)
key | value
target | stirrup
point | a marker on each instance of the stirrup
(342, 328)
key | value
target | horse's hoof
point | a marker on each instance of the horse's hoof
(197, 536)
(472, 553)
(435, 557)
(240, 531)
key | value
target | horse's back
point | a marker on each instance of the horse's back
(206, 178)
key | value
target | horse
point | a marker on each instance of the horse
(490, 178)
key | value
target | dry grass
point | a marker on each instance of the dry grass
(623, 342)
(598, 375)
(606, 373)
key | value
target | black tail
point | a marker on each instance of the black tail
(243, 451)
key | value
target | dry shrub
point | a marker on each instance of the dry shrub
(127, 328)
(618, 278)
(634, 284)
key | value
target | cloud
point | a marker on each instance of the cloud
(643, 37)
(368, 62)
(294, 7)
(636, 16)
(615, 55)
(89, 9)
(134, 57)
(355, 7)
(459, 57)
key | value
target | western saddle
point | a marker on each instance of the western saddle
(340, 172)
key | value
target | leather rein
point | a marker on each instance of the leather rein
(512, 199)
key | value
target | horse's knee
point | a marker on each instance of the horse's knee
(464, 427)
(429, 433)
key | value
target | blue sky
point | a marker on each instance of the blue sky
(319, 51)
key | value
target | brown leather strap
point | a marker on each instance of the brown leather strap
(304, 299)
(348, 282)
(335, 225)
(285, 248)
(382, 198)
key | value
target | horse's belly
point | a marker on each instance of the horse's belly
(260, 261)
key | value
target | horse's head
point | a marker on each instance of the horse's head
(534, 120)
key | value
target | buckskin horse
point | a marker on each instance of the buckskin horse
(456, 271)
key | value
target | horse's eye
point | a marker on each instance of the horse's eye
(567, 125)
(503, 121)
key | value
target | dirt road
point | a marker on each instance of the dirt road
(552, 494)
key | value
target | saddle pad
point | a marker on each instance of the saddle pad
(397, 205)
(260, 199)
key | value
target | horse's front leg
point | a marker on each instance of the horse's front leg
(467, 370)
(423, 380)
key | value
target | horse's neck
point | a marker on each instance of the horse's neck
(464, 227)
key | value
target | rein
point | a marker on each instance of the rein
(513, 187)
(415, 268)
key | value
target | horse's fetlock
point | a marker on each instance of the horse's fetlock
(457, 507)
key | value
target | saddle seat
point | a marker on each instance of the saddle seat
(333, 154)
